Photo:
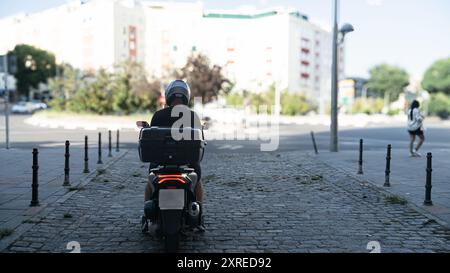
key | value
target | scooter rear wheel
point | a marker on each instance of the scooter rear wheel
(172, 242)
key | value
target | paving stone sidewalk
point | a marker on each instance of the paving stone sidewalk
(407, 177)
(261, 202)
(16, 180)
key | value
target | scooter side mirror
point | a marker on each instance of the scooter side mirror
(142, 124)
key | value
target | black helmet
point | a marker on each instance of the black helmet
(178, 89)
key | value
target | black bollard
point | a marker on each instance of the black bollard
(86, 155)
(314, 142)
(428, 186)
(117, 140)
(66, 165)
(360, 162)
(99, 161)
(35, 185)
(109, 144)
(387, 172)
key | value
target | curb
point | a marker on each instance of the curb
(64, 125)
(383, 190)
(47, 208)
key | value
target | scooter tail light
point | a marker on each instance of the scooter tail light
(172, 179)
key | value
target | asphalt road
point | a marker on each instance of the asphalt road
(292, 137)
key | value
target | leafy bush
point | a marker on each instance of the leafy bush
(368, 106)
(439, 105)
(257, 100)
(295, 104)
(123, 92)
(291, 103)
(234, 99)
(394, 112)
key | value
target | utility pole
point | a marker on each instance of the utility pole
(334, 84)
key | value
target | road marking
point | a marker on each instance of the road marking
(229, 147)
(221, 147)
(236, 147)
(49, 145)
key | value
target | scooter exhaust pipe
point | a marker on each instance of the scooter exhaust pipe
(194, 211)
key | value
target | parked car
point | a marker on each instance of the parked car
(39, 105)
(23, 107)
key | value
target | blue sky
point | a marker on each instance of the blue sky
(407, 33)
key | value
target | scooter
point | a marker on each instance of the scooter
(173, 207)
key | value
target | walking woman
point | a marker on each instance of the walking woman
(415, 128)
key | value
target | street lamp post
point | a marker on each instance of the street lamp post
(334, 84)
(5, 65)
(334, 144)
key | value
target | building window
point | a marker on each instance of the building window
(305, 50)
(132, 41)
(194, 48)
(304, 75)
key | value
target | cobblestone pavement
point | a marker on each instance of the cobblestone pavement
(408, 175)
(261, 202)
(16, 178)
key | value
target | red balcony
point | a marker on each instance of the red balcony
(305, 50)
(304, 75)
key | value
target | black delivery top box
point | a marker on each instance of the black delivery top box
(157, 145)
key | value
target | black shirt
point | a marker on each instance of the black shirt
(163, 118)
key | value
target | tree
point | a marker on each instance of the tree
(440, 105)
(124, 91)
(387, 80)
(34, 66)
(95, 95)
(205, 81)
(132, 90)
(437, 77)
(64, 86)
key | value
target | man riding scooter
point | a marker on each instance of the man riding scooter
(177, 94)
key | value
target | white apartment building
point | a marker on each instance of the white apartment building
(255, 49)
(86, 34)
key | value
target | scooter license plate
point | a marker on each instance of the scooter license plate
(171, 199)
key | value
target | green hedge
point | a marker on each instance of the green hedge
(439, 105)
(368, 106)
(291, 103)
